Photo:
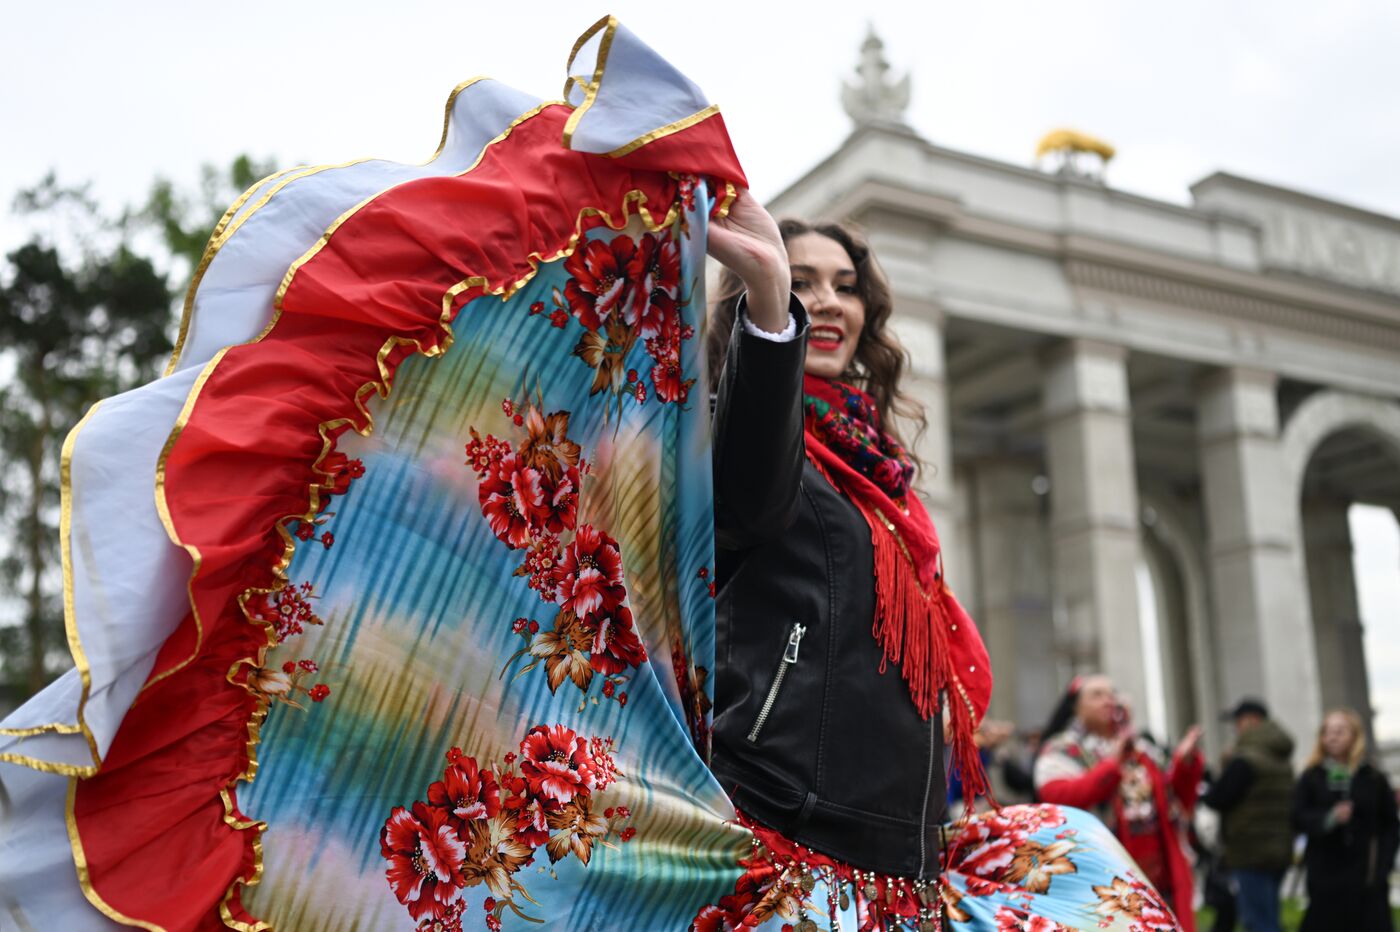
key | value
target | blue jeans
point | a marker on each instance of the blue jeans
(1258, 899)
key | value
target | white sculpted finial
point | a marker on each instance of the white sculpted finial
(875, 97)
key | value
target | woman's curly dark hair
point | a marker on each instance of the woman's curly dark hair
(879, 362)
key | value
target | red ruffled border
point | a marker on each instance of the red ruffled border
(158, 832)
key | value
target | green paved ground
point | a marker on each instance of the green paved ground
(1292, 917)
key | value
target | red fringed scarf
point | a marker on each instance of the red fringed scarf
(918, 622)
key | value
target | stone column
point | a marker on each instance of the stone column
(1336, 613)
(921, 332)
(1013, 589)
(1094, 527)
(1263, 633)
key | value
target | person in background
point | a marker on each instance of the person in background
(1254, 796)
(1091, 759)
(1347, 809)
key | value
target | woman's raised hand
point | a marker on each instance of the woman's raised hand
(747, 241)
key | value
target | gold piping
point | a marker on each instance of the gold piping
(216, 241)
(276, 315)
(591, 92)
(219, 236)
(729, 195)
(381, 387)
(85, 880)
(163, 510)
(70, 625)
(240, 825)
(664, 131)
(260, 711)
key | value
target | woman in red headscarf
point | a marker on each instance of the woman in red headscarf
(1092, 760)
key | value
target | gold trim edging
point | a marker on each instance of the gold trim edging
(632, 199)
(220, 236)
(70, 627)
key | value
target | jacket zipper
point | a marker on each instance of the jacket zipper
(789, 658)
(934, 722)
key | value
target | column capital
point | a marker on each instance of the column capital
(1237, 401)
(1085, 375)
(921, 335)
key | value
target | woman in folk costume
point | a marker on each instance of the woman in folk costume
(1092, 760)
(844, 661)
(1346, 807)
(456, 672)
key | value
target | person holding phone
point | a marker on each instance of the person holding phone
(1347, 808)
(1091, 759)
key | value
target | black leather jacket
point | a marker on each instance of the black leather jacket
(809, 737)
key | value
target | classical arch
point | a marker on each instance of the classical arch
(1326, 413)
(1182, 541)
(1323, 556)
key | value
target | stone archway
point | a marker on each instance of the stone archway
(1333, 425)
(1191, 674)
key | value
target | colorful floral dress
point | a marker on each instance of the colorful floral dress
(391, 601)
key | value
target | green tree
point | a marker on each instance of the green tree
(85, 312)
(77, 323)
(185, 220)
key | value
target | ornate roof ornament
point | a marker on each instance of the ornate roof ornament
(875, 97)
(1069, 146)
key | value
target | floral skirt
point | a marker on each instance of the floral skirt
(1035, 868)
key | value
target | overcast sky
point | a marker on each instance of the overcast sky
(1301, 94)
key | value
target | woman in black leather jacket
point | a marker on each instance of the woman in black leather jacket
(816, 733)
(843, 661)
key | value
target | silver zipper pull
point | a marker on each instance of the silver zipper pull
(794, 640)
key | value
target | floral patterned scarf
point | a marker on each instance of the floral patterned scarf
(847, 422)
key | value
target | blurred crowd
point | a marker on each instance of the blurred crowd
(1227, 834)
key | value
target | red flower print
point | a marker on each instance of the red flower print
(598, 283)
(604, 765)
(666, 379)
(512, 500)
(590, 573)
(559, 318)
(561, 502)
(466, 791)
(289, 667)
(340, 471)
(640, 393)
(541, 560)
(484, 453)
(655, 272)
(555, 763)
(532, 828)
(425, 859)
(536, 308)
(615, 643)
(319, 692)
(305, 530)
(327, 539)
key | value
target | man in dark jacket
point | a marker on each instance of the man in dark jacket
(1254, 796)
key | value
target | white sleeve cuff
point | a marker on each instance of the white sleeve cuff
(787, 335)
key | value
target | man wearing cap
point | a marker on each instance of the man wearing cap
(1254, 797)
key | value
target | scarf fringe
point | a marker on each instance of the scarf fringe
(912, 626)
